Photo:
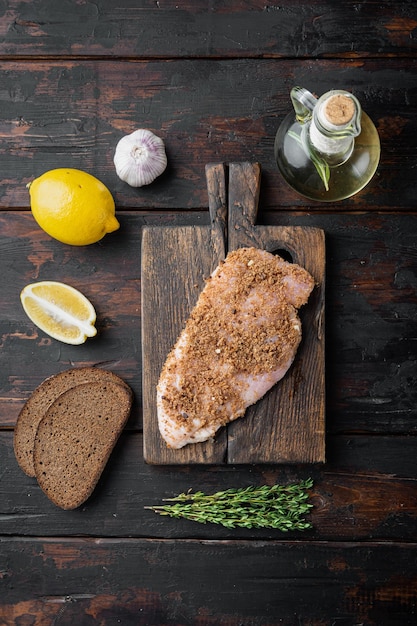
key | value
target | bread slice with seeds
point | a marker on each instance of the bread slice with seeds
(41, 399)
(75, 438)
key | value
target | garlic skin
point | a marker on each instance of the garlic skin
(140, 158)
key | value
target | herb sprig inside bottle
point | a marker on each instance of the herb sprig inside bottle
(278, 507)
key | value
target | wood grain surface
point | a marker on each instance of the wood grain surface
(199, 29)
(213, 80)
(209, 110)
(144, 596)
(370, 303)
(288, 424)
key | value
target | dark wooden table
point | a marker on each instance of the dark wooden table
(213, 80)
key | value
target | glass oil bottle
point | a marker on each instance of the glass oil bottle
(328, 149)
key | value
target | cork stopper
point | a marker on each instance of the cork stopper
(339, 110)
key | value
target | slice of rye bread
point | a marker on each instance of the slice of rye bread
(75, 439)
(42, 398)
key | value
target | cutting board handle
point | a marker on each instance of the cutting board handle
(217, 196)
(244, 188)
(233, 203)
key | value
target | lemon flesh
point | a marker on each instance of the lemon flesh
(61, 311)
(72, 206)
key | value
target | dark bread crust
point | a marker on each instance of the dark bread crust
(75, 439)
(41, 399)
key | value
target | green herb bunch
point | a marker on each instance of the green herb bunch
(279, 507)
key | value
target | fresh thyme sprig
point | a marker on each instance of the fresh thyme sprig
(277, 506)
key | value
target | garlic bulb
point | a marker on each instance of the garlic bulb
(140, 158)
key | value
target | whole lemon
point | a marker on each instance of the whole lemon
(72, 206)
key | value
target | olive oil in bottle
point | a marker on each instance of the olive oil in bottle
(328, 149)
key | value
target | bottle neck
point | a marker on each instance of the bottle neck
(336, 150)
(335, 124)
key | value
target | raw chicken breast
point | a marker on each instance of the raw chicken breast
(239, 340)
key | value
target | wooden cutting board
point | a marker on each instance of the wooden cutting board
(288, 424)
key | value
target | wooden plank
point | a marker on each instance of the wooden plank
(287, 425)
(175, 264)
(365, 491)
(72, 112)
(139, 582)
(371, 302)
(316, 28)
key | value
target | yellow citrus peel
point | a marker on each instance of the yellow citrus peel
(72, 206)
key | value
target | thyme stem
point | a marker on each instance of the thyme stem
(321, 165)
(277, 506)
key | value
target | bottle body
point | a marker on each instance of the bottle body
(314, 169)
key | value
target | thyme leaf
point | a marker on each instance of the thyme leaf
(277, 506)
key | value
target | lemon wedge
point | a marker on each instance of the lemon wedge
(61, 311)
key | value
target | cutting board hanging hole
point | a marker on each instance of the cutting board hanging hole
(284, 254)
